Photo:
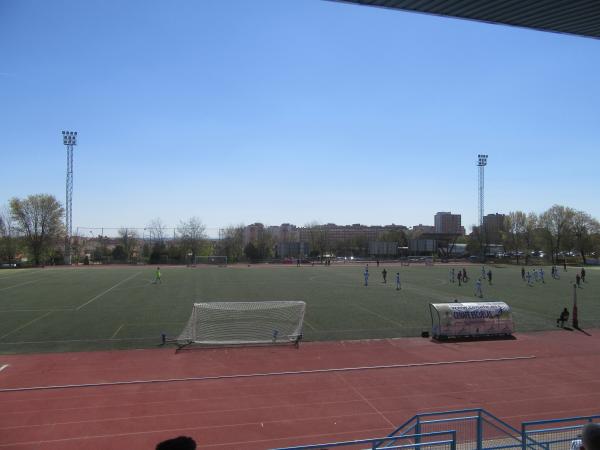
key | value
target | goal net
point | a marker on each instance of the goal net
(212, 260)
(238, 323)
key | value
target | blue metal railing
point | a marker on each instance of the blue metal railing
(556, 437)
(472, 429)
(476, 429)
(374, 443)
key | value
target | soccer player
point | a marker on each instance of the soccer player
(157, 276)
(528, 277)
(535, 275)
(465, 277)
(542, 275)
(398, 287)
(451, 275)
(478, 290)
(459, 277)
(564, 316)
(483, 272)
(583, 274)
(489, 276)
(578, 280)
(366, 277)
(523, 273)
(384, 275)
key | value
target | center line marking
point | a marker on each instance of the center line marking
(107, 291)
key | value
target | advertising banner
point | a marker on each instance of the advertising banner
(470, 319)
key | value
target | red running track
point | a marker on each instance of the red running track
(560, 377)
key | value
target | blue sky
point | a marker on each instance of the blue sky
(291, 111)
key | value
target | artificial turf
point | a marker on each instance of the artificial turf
(90, 308)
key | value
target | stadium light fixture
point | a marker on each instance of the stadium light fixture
(69, 140)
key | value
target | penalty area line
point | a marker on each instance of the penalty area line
(266, 374)
(106, 291)
(26, 325)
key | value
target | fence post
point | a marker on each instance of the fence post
(418, 431)
(479, 430)
(453, 445)
(523, 437)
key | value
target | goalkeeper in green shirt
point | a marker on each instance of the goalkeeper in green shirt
(157, 277)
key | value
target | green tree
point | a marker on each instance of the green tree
(8, 236)
(556, 224)
(251, 252)
(231, 243)
(119, 253)
(129, 241)
(38, 220)
(192, 236)
(514, 236)
(584, 227)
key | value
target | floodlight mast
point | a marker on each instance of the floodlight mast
(481, 163)
(69, 140)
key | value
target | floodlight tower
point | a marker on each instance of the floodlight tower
(69, 140)
(481, 163)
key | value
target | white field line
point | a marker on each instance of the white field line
(107, 291)
(117, 332)
(20, 284)
(310, 325)
(26, 325)
(269, 374)
(398, 324)
(6, 276)
(66, 341)
(34, 310)
(4, 366)
(366, 400)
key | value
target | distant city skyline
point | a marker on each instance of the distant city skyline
(291, 112)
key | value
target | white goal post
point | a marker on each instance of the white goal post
(244, 323)
(211, 260)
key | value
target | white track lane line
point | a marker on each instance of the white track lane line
(268, 374)
(4, 366)
(107, 291)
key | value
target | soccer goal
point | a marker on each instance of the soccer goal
(244, 323)
(211, 260)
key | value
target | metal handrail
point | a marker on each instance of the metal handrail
(378, 440)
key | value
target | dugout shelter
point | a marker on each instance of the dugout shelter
(470, 319)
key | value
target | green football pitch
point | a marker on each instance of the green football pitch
(90, 308)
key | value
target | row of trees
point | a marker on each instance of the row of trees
(33, 226)
(558, 231)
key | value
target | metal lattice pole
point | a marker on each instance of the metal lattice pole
(69, 140)
(481, 163)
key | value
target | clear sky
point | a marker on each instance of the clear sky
(291, 111)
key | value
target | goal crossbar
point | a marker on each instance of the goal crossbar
(211, 260)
